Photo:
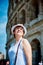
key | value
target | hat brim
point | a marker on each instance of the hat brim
(25, 31)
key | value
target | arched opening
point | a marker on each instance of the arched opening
(27, 0)
(22, 17)
(36, 51)
(35, 4)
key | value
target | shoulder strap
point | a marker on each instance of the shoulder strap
(17, 53)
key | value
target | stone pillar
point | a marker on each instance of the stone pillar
(26, 17)
(40, 10)
(42, 45)
(17, 17)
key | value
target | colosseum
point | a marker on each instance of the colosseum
(30, 14)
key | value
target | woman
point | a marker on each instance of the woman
(24, 54)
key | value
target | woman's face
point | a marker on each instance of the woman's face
(18, 31)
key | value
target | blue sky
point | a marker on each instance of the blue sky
(3, 21)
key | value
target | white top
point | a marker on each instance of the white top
(21, 58)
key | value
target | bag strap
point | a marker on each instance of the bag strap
(17, 53)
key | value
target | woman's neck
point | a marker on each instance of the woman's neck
(18, 38)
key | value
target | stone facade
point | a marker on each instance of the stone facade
(30, 14)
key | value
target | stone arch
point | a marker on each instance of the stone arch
(36, 51)
(22, 17)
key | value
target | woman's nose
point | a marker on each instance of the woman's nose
(18, 28)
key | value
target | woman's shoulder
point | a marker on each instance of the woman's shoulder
(25, 42)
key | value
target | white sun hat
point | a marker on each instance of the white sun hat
(13, 27)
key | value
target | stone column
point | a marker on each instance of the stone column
(42, 45)
(17, 17)
(40, 9)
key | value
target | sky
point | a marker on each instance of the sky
(3, 22)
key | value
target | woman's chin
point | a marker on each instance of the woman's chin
(19, 34)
